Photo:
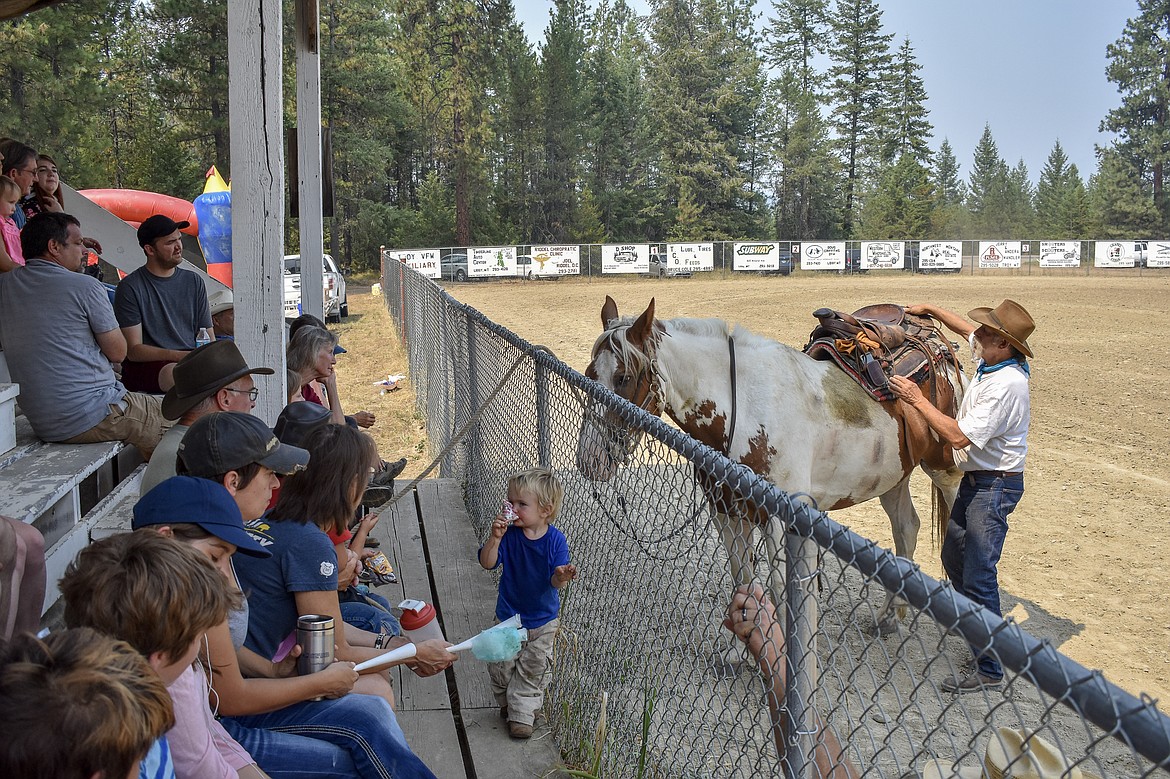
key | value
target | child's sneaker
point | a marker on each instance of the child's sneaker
(519, 730)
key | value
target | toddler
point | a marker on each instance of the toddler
(535, 560)
(9, 196)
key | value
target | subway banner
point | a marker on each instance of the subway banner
(940, 255)
(690, 256)
(492, 261)
(625, 258)
(1114, 254)
(823, 255)
(1158, 254)
(556, 260)
(883, 255)
(756, 255)
(1060, 254)
(999, 254)
(425, 261)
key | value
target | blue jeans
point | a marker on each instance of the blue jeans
(362, 726)
(366, 616)
(974, 543)
(289, 755)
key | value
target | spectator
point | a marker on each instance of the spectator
(22, 577)
(223, 315)
(46, 188)
(212, 378)
(78, 705)
(364, 726)
(11, 256)
(68, 390)
(752, 618)
(160, 307)
(20, 165)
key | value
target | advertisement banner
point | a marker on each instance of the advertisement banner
(690, 256)
(1060, 254)
(940, 255)
(492, 261)
(1158, 254)
(625, 258)
(823, 255)
(1114, 254)
(883, 255)
(556, 260)
(757, 255)
(999, 254)
(425, 261)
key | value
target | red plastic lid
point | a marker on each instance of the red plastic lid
(413, 619)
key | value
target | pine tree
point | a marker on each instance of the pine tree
(1121, 206)
(912, 130)
(949, 188)
(988, 189)
(795, 36)
(1075, 207)
(901, 207)
(1021, 209)
(1139, 63)
(1051, 193)
(861, 53)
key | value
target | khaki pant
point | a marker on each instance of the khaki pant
(519, 684)
(141, 424)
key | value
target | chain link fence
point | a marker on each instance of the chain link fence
(642, 650)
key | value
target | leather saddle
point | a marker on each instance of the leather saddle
(882, 340)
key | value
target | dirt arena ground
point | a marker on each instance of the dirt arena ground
(1086, 563)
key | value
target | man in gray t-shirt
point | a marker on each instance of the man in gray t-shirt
(60, 336)
(160, 307)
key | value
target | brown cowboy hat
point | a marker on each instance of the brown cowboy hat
(204, 372)
(1010, 320)
(1012, 754)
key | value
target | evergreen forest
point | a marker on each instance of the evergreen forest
(699, 120)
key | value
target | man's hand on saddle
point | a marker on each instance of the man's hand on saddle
(906, 390)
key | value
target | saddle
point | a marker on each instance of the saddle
(882, 340)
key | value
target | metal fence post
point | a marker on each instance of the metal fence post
(800, 728)
(543, 453)
(473, 444)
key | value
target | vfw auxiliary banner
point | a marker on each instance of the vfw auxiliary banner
(556, 260)
(757, 255)
(823, 256)
(1158, 254)
(492, 261)
(999, 254)
(425, 261)
(1060, 254)
(1114, 254)
(940, 255)
(690, 256)
(882, 255)
(625, 258)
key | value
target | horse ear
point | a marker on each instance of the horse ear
(643, 327)
(609, 313)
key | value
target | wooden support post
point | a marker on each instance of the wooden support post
(308, 59)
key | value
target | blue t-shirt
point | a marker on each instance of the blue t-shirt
(525, 582)
(171, 309)
(157, 764)
(303, 560)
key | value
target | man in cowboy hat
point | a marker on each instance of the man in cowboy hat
(223, 314)
(212, 378)
(990, 439)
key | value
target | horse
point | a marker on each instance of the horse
(801, 423)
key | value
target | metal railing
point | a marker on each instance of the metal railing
(642, 624)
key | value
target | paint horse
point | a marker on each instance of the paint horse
(801, 423)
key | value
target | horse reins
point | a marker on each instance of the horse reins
(731, 430)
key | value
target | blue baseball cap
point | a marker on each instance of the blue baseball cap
(189, 500)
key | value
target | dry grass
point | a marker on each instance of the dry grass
(374, 352)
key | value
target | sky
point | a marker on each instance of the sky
(1034, 70)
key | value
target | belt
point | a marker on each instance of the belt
(999, 474)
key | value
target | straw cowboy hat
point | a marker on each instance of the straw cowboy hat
(1010, 320)
(1008, 757)
(204, 372)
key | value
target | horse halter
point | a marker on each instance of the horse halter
(651, 398)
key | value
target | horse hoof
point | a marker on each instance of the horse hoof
(882, 629)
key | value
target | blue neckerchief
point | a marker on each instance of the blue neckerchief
(983, 368)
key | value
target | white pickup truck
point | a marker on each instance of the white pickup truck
(336, 303)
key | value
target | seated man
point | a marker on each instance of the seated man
(78, 705)
(60, 336)
(160, 307)
(223, 315)
(211, 378)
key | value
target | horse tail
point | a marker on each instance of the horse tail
(939, 515)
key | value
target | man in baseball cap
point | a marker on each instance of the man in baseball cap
(990, 439)
(212, 378)
(160, 307)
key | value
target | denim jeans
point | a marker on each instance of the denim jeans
(974, 543)
(363, 726)
(356, 611)
(289, 755)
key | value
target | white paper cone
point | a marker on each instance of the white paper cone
(404, 652)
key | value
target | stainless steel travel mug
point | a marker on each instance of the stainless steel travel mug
(315, 635)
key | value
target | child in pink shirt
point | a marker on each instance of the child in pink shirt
(9, 194)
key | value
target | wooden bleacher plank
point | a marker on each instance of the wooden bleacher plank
(34, 484)
(496, 755)
(432, 736)
(113, 514)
